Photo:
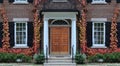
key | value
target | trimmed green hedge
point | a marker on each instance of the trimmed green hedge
(112, 57)
(10, 57)
(108, 57)
(96, 57)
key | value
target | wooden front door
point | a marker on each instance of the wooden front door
(59, 40)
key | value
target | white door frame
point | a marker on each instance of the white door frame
(59, 16)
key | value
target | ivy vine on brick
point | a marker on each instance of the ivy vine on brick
(6, 38)
(113, 38)
(37, 25)
(82, 26)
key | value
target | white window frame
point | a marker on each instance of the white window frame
(98, 20)
(21, 20)
(21, 2)
(98, 2)
(98, 45)
(20, 45)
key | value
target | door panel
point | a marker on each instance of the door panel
(59, 40)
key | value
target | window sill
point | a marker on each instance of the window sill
(98, 3)
(20, 3)
(20, 47)
(98, 47)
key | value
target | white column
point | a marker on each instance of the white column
(45, 39)
(73, 36)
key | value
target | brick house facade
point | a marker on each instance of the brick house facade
(60, 32)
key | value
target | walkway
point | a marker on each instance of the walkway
(30, 64)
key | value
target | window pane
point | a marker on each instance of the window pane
(99, 33)
(21, 33)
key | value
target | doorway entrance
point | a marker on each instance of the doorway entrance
(59, 38)
(62, 25)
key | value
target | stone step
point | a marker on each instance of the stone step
(60, 58)
(59, 64)
(59, 61)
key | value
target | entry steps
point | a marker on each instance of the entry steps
(59, 61)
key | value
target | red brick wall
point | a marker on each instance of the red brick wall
(94, 10)
(18, 11)
(101, 10)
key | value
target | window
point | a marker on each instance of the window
(60, 22)
(59, 0)
(20, 33)
(98, 1)
(98, 34)
(20, 1)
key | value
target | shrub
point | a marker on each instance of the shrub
(117, 55)
(7, 57)
(108, 57)
(96, 58)
(92, 58)
(27, 59)
(112, 57)
(80, 58)
(39, 58)
(20, 56)
(23, 57)
(10, 57)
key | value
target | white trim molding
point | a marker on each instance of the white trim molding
(20, 47)
(60, 15)
(45, 36)
(73, 36)
(20, 2)
(99, 19)
(20, 19)
(98, 47)
(98, 2)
